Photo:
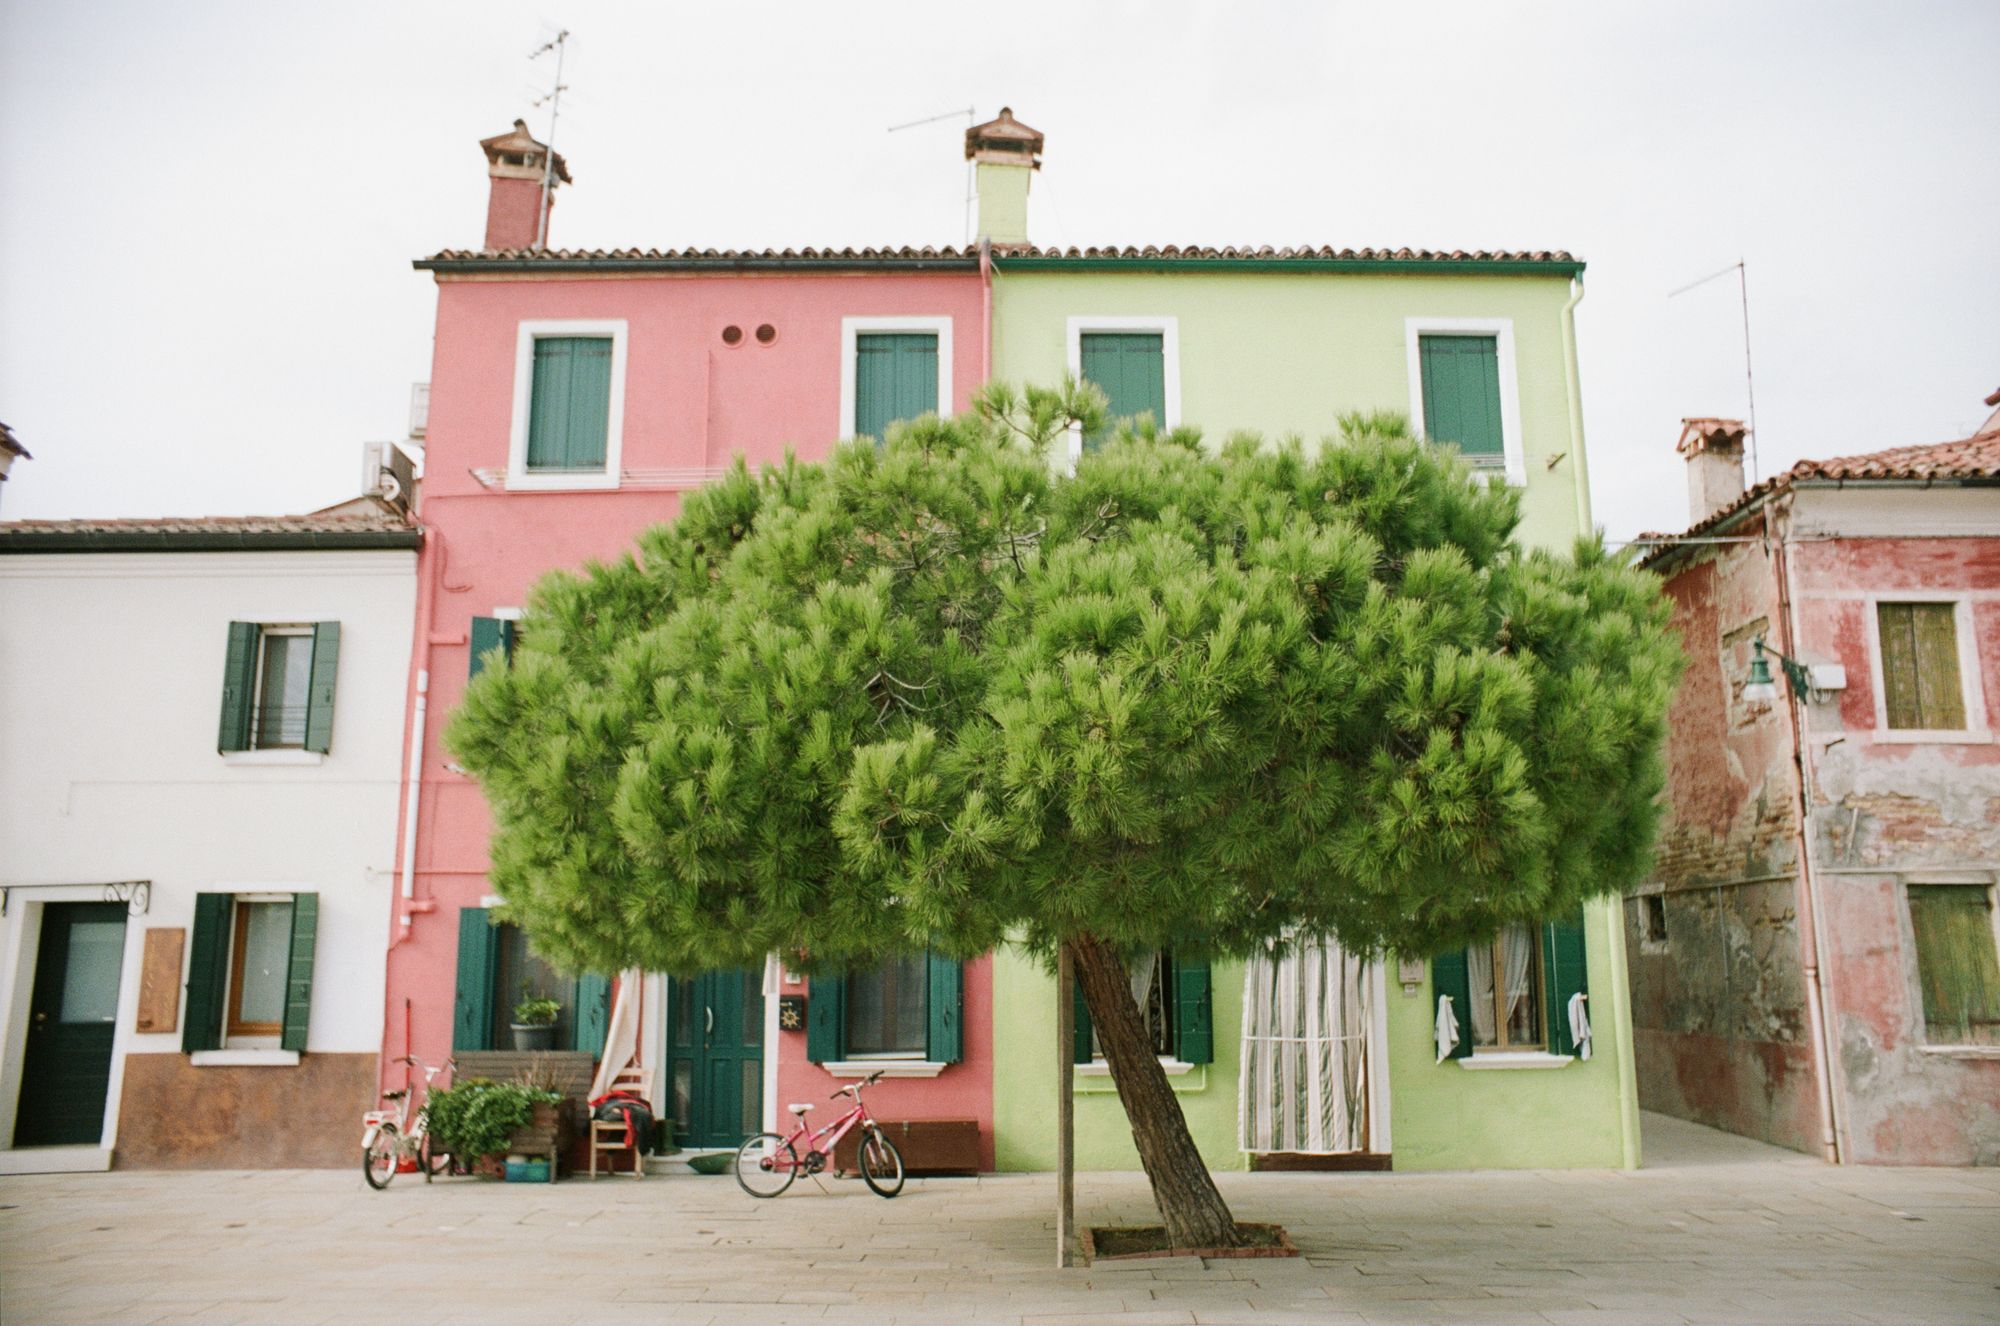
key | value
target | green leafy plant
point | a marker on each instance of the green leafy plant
(949, 693)
(478, 1117)
(537, 1011)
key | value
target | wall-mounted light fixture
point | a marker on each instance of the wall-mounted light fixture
(1807, 681)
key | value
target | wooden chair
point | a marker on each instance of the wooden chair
(608, 1135)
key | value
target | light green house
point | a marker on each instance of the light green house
(1479, 350)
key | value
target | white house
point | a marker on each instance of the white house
(200, 733)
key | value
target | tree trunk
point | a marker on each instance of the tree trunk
(1194, 1212)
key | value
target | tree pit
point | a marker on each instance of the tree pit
(1115, 1243)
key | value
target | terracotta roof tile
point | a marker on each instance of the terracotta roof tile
(889, 256)
(209, 533)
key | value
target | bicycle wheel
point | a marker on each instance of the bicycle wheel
(880, 1163)
(766, 1165)
(379, 1157)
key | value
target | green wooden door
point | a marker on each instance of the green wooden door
(66, 1070)
(715, 1029)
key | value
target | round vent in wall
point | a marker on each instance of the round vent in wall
(766, 334)
(732, 335)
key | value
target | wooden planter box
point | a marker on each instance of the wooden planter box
(928, 1146)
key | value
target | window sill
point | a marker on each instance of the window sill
(886, 1067)
(1963, 1051)
(561, 481)
(1920, 737)
(244, 1058)
(273, 757)
(1520, 1059)
(1171, 1067)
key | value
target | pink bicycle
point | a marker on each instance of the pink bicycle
(767, 1164)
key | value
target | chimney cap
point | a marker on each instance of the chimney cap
(1709, 434)
(516, 154)
(1006, 140)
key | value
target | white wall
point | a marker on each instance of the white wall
(110, 695)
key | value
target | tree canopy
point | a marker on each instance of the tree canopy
(942, 693)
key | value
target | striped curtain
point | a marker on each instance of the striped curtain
(1304, 1085)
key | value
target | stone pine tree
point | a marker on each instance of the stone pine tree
(943, 694)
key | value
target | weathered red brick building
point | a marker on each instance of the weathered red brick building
(1815, 960)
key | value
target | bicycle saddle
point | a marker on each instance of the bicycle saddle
(798, 1109)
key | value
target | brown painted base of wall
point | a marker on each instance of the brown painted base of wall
(176, 1116)
(1354, 1162)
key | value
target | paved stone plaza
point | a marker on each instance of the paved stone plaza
(1716, 1229)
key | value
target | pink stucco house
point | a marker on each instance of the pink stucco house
(574, 398)
(1816, 961)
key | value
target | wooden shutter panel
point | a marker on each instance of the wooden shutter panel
(1130, 368)
(1451, 980)
(239, 683)
(478, 964)
(319, 686)
(489, 634)
(299, 971)
(895, 378)
(1194, 1017)
(548, 404)
(944, 1042)
(1921, 686)
(208, 971)
(1461, 384)
(589, 403)
(1563, 974)
(1082, 1035)
(593, 1012)
(826, 1019)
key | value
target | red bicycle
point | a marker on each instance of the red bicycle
(767, 1164)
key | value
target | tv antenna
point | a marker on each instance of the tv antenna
(553, 100)
(1742, 270)
(971, 114)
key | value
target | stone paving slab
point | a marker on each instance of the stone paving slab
(1715, 1230)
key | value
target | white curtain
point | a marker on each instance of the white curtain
(1141, 971)
(1304, 1084)
(1479, 968)
(1517, 950)
(621, 1037)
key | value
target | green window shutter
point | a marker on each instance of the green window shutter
(1957, 967)
(826, 1019)
(489, 634)
(239, 684)
(1130, 368)
(478, 964)
(299, 972)
(1194, 1016)
(944, 1042)
(1461, 381)
(895, 378)
(1082, 1038)
(1564, 975)
(593, 1012)
(569, 409)
(1450, 980)
(208, 972)
(1920, 677)
(319, 688)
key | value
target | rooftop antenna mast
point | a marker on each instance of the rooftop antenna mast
(553, 100)
(1742, 270)
(971, 115)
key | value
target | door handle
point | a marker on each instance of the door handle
(708, 1026)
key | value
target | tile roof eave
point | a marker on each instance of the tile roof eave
(186, 536)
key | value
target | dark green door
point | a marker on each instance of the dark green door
(72, 1014)
(716, 1052)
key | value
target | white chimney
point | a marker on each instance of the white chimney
(1714, 451)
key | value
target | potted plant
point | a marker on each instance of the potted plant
(534, 1024)
(480, 1118)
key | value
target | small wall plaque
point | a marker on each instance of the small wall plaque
(791, 1012)
(160, 981)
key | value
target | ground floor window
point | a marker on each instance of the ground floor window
(1506, 978)
(1173, 997)
(1957, 967)
(498, 968)
(250, 971)
(260, 958)
(1521, 992)
(908, 1007)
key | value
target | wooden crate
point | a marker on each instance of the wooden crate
(928, 1146)
(558, 1128)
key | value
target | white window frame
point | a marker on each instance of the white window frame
(519, 477)
(851, 331)
(1983, 884)
(1976, 731)
(1502, 331)
(1169, 328)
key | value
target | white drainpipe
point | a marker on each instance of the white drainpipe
(413, 793)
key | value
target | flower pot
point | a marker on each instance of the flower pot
(534, 1035)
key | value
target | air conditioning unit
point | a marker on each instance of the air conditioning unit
(388, 473)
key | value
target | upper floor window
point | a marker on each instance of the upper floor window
(278, 685)
(1462, 390)
(892, 370)
(1134, 362)
(568, 405)
(1922, 686)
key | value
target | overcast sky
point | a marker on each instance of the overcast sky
(208, 210)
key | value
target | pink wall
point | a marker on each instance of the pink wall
(690, 403)
(963, 1090)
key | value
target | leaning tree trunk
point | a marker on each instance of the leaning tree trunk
(1194, 1212)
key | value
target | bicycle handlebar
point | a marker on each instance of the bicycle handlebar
(854, 1089)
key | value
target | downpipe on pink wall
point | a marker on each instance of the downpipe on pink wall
(985, 310)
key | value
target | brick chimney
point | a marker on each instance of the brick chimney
(516, 163)
(1714, 451)
(1005, 154)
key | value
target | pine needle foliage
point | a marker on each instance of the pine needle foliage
(942, 693)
